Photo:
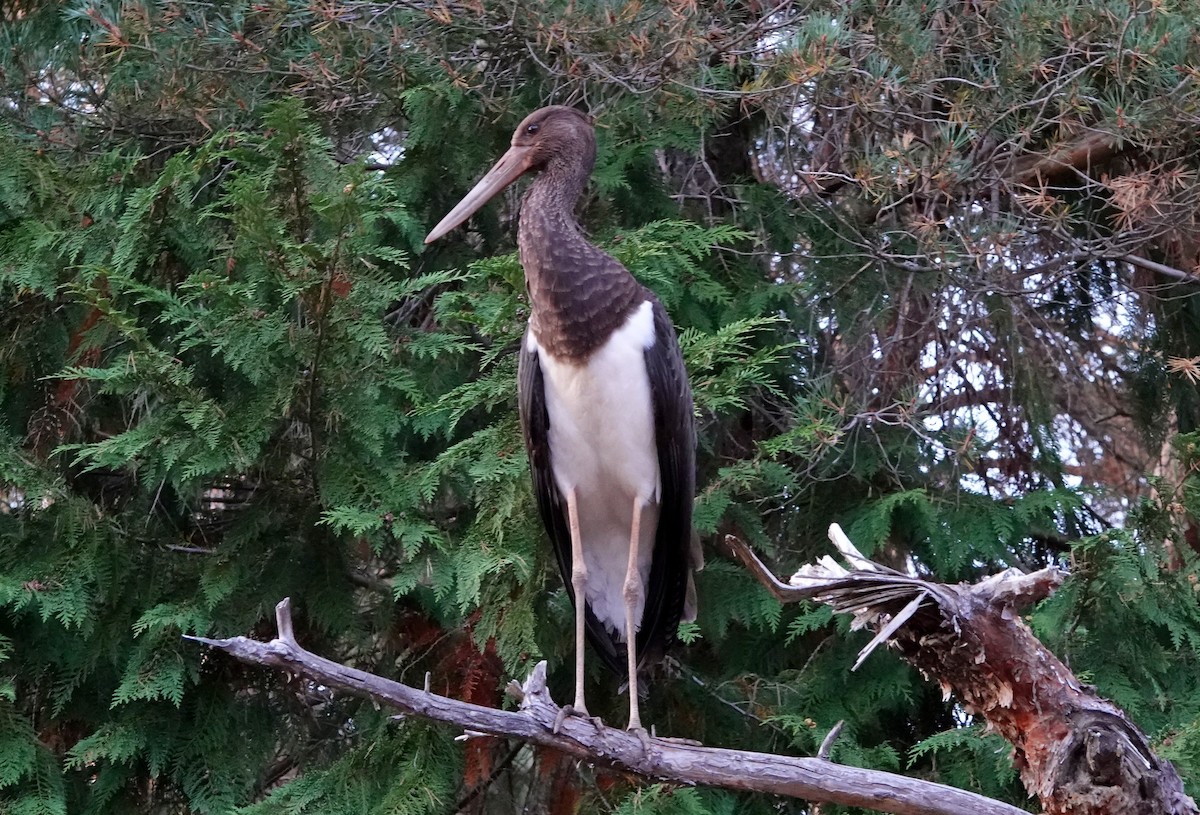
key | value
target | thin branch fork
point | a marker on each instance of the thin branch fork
(1078, 753)
(813, 779)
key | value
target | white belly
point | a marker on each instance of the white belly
(603, 447)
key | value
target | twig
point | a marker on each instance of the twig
(823, 754)
(830, 737)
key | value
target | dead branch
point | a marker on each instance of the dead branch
(1088, 152)
(1078, 753)
(813, 779)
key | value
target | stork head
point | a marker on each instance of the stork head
(552, 137)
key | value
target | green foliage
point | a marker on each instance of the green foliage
(236, 293)
(400, 770)
(662, 800)
(971, 758)
(1142, 651)
(233, 372)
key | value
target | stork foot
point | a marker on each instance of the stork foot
(579, 711)
(643, 736)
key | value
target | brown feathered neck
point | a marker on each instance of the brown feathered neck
(579, 295)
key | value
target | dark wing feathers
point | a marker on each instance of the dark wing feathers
(674, 431)
(675, 437)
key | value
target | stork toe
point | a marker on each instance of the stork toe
(578, 711)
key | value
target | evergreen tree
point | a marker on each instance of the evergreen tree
(935, 270)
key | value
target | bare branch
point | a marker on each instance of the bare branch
(1161, 268)
(813, 779)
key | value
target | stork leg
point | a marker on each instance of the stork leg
(634, 592)
(579, 584)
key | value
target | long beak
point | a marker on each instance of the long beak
(507, 170)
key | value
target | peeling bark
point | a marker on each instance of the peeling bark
(1077, 752)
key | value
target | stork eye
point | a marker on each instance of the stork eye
(533, 128)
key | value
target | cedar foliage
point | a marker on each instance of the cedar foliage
(232, 373)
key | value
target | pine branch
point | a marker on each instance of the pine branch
(1078, 753)
(813, 779)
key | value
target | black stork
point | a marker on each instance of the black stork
(605, 407)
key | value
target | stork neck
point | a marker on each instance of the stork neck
(561, 183)
(548, 225)
(578, 294)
